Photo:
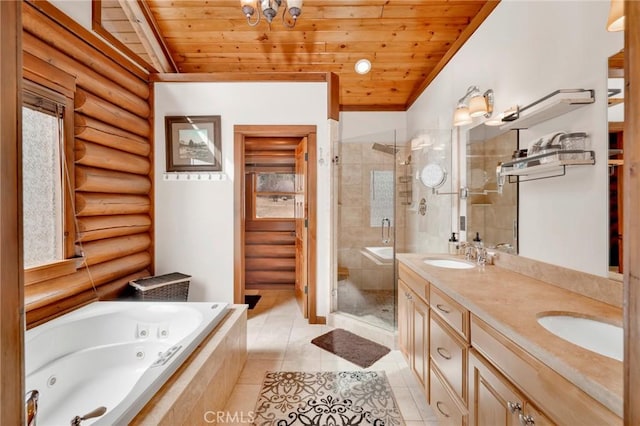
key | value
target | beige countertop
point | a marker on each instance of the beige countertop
(511, 303)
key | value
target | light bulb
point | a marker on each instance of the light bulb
(461, 116)
(477, 106)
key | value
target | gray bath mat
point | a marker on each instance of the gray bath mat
(360, 351)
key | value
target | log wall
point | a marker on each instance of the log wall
(112, 171)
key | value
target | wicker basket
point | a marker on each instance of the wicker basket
(170, 287)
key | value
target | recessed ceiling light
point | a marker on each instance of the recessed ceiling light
(363, 66)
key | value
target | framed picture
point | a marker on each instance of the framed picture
(193, 143)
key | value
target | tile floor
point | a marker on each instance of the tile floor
(376, 307)
(279, 339)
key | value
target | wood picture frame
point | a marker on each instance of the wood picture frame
(193, 143)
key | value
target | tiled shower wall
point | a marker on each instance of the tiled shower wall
(357, 162)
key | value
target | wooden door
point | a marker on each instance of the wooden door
(269, 245)
(492, 399)
(301, 218)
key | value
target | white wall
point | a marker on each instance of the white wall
(194, 220)
(355, 125)
(523, 51)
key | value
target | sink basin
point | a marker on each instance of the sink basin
(596, 336)
(448, 263)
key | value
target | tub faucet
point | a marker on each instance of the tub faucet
(31, 407)
(95, 413)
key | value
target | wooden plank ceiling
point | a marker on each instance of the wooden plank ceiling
(408, 42)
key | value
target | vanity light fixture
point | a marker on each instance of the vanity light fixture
(363, 66)
(269, 9)
(615, 21)
(473, 104)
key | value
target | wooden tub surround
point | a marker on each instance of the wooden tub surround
(489, 354)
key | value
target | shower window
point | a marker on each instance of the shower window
(382, 196)
(274, 196)
(47, 222)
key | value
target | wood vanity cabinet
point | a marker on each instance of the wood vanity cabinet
(473, 375)
(449, 349)
(494, 401)
(501, 372)
(413, 324)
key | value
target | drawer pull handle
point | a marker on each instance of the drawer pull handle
(443, 352)
(444, 413)
(514, 407)
(443, 308)
(526, 420)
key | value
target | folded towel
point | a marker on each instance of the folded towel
(544, 142)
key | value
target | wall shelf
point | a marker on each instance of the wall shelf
(546, 165)
(550, 106)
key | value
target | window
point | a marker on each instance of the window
(381, 199)
(274, 196)
(43, 179)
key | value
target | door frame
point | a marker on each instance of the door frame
(240, 132)
(12, 318)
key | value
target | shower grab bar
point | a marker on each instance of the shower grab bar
(388, 222)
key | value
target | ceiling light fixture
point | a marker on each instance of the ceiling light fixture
(363, 66)
(615, 21)
(269, 9)
(473, 104)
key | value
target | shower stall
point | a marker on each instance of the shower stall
(372, 179)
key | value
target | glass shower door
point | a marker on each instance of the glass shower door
(367, 229)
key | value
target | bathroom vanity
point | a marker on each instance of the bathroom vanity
(471, 336)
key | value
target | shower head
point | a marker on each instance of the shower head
(387, 149)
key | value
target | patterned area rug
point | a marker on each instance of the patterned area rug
(327, 398)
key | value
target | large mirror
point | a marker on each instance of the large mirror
(615, 118)
(491, 215)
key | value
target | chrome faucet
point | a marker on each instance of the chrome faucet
(477, 252)
(481, 256)
(31, 407)
(470, 250)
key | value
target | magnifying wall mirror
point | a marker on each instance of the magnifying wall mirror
(433, 175)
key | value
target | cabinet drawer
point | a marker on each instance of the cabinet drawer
(449, 353)
(444, 405)
(415, 282)
(450, 311)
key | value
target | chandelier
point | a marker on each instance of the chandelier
(269, 9)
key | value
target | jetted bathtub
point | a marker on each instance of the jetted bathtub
(111, 354)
